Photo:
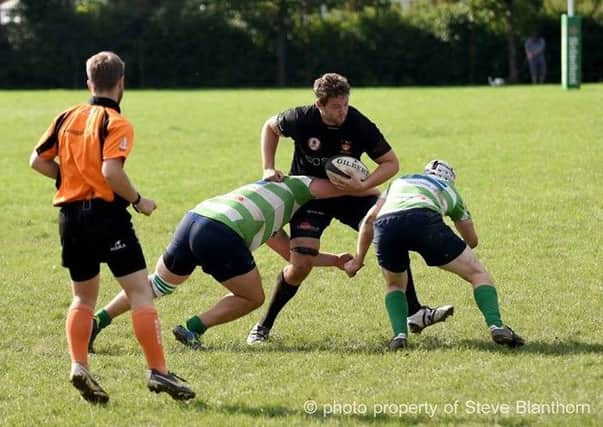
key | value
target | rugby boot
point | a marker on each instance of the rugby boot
(427, 316)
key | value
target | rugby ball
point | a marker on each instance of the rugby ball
(338, 167)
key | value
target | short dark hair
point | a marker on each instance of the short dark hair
(330, 85)
(104, 70)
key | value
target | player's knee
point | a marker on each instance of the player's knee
(257, 299)
(297, 272)
(479, 275)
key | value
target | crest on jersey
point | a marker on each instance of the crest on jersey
(123, 144)
(346, 146)
(313, 143)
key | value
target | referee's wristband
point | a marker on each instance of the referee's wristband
(135, 202)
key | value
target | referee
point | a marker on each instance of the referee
(91, 142)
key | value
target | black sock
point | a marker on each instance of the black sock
(411, 295)
(281, 296)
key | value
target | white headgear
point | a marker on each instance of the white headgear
(441, 169)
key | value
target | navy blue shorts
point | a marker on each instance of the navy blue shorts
(418, 230)
(316, 215)
(204, 242)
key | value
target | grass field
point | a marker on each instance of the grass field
(529, 164)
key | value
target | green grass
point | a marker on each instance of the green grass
(529, 167)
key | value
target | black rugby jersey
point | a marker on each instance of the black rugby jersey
(315, 141)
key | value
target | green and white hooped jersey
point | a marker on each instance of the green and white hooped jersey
(257, 211)
(424, 191)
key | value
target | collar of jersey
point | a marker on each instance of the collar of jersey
(105, 102)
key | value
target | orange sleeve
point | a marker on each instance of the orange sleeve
(47, 146)
(120, 139)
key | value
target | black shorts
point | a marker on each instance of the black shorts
(316, 215)
(418, 230)
(93, 232)
(204, 242)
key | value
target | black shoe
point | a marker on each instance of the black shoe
(186, 337)
(93, 334)
(169, 383)
(428, 316)
(398, 342)
(504, 335)
(90, 390)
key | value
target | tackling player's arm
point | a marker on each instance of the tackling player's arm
(365, 237)
(279, 243)
(467, 231)
(269, 141)
(323, 188)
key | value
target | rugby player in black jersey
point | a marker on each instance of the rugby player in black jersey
(328, 127)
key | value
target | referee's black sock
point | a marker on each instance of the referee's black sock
(411, 296)
(281, 296)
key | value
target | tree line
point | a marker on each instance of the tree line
(256, 43)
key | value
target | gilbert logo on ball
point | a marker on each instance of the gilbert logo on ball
(339, 166)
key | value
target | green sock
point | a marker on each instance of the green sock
(397, 309)
(196, 325)
(487, 301)
(102, 318)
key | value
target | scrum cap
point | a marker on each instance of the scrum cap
(441, 169)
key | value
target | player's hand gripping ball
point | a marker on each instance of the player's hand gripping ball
(339, 166)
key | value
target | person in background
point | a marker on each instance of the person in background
(535, 47)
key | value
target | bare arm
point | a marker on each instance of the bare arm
(279, 243)
(388, 166)
(46, 167)
(118, 180)
(323, 188)
(467, 232)
(269, 141)
(365, 237)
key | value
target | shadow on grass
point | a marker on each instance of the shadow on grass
(554, 347)
(278, 346)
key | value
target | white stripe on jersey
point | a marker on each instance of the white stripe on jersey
(257, 239)
(436, 190)
(230, 213)
(277, 203)
(255, 212)
(413, 196)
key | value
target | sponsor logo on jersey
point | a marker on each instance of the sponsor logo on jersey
(306, 226)
(315, 161)
(314, 143)
(123, 144)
